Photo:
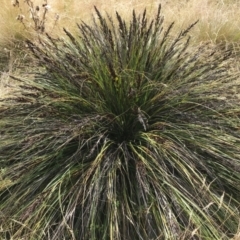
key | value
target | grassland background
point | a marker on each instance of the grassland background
(219, 23)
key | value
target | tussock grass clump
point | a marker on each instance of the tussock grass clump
(127, 133)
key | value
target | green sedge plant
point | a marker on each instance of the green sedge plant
(124, 132)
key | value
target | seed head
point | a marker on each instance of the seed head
(46, 6)
(56, 16)
(15, 3)
(20, 17)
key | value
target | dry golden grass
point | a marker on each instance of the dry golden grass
(218, 19)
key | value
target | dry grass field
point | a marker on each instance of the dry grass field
(218, 22)
(218, 25)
